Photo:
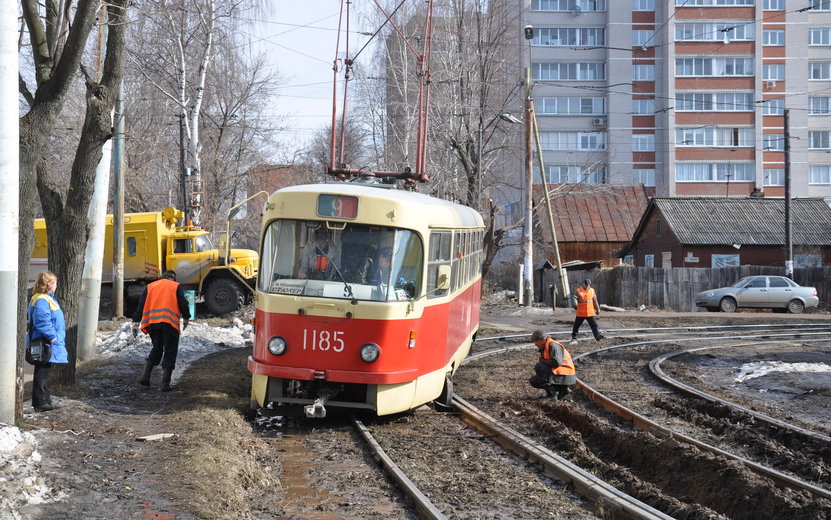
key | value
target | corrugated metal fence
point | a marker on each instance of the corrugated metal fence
(675, 288)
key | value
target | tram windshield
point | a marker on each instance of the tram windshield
(355, 262)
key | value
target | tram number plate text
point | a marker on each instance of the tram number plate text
(323, 340)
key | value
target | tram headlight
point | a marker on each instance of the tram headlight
(370, 352)
(277, 345)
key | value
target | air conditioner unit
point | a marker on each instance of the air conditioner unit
(599, 121)
(770, 83)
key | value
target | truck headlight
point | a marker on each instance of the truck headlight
(370, 352)
(277, 345)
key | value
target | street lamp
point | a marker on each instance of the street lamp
(508, 118)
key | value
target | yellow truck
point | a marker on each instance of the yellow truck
(152, 244)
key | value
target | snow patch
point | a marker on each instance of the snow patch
(763, 368)
(20, 480)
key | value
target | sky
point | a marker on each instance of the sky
(300, 39)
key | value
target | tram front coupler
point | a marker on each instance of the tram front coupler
(316, 410)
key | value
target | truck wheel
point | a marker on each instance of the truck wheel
(106, 306)
(223, 296)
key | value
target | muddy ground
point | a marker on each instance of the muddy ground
(213, 465)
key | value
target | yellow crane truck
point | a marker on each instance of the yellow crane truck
(152, 244)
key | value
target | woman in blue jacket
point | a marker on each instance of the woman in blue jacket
(47, 323)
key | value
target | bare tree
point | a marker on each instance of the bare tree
(57, 51)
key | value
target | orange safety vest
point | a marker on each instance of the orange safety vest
(566, 368)
(161, 305)
(585, 302)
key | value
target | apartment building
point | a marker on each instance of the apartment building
(688, 96)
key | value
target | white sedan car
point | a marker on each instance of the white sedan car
(771, 292)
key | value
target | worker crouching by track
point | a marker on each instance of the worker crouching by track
(555, 369)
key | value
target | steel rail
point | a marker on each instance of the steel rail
(422, 503)
(643, 423)
(655, 368)
(555, 466)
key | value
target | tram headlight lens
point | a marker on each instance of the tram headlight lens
(277, 345)
(370, 352)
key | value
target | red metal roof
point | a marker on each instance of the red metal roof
(594, 213)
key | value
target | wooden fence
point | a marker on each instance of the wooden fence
(671, 289)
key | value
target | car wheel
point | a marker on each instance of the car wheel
(796, 307)
(728, 305)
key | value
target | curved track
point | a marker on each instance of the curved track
(799, 457)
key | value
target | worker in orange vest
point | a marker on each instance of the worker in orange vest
(555, 370)
(159, 310)
(585, 301)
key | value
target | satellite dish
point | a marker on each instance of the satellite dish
(575, 10)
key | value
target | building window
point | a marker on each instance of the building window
(774, 72)
(774, 5)
(819, 5)
(714, 102)
(714, 172)
(773, 142)
(568, 71)
(805, 260)
(567, 106)
(819, 106)
(642, 37)
(568, 5)
(643, 73)
(693, 3)
(643, 107)
(714, 31)
(643, 142)
(563, 174)
(628, 260)
(695, 67)
(819, 70)
(819, 36)
(773, 107)
(819, 139)
(715, 136)
(643, 5)
(573, 140)
(645, 176)
(774, 176)
(774, 38)
(658, 227)
(821, 174)
(568, 36)
(724, 261)
(649, 260)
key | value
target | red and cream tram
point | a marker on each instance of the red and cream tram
(367, 298)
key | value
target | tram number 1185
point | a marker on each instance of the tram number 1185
(323, 340)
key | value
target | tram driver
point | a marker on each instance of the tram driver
(318, 258)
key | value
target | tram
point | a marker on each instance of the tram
(367, 298)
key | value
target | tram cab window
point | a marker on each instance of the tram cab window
(342, 261)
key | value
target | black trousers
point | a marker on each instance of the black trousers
(40, 386)
(542, 379)
(165, 341)
(578, 321)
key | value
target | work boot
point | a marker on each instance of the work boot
(167, 373)
(550, 392)
(564, 392)
(145, 377)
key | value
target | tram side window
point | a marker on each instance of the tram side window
(455, 268)
(439, 254)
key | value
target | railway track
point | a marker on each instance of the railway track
(781, 493)
(578, 453)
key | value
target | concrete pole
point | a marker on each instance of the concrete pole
(549, 210)
(788, 236)
(9, 206)
(528, 239)
(94, 258)
(118, 206)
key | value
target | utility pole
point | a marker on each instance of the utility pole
(9, 209)
(788, 239)
(528, 264)
(118, 207)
